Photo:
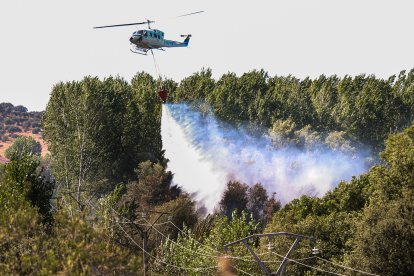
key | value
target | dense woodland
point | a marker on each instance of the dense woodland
(87, 207)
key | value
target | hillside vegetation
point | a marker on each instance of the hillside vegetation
(16, 121)
(88, 207)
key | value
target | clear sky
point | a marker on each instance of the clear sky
(46, 41)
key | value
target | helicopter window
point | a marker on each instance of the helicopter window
(150, 34)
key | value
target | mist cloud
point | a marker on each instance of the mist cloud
(205, 154)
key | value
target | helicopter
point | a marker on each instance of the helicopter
(149, 39)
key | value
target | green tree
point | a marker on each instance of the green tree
(149, 123)
(375, 108)
(23, 146)
(71, 124)
(344, 112)
(152, 188)
(234, 198)
(391, 180)
(384, 238)
(272, 206)
(282, 133)
(224, 99)
(324, 93)
(256, 201)
(195, 87)
(338, 141)
(180, 212)
(190, 256)
(294, 101)
(251, 87)
(25, 180)
(98, 132)
(404, 88)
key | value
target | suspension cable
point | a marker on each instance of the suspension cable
(345, 267)
(152, 256)
(157, 68)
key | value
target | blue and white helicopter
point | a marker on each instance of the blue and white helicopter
(145, 40)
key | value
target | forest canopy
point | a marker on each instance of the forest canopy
(103, 198)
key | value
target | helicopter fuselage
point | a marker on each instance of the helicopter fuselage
(154, 39)
(146, 40)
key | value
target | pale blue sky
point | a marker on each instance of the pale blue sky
(47, 41)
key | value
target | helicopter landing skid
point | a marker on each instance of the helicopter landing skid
(140, 51)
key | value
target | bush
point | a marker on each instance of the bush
(36, 115)
(9, 121)
(26, 124)
(36, 130)
(20, 109)
(6, 107)
(13, 129)
(22, 146)
(36, 124)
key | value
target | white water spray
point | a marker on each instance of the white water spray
(205, 154)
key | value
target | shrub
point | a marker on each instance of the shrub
(9, 121)
(36, 130)
(20, 109)
(26, 124)
(36, 124)
(6, 107)
(22, 146)
(13, 129)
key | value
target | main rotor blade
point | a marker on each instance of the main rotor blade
(190, 13)
(121, 25)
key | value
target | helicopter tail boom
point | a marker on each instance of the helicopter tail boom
(186, 40)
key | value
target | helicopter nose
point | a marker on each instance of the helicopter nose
(130, 39)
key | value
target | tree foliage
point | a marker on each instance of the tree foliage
(98, 131)
(364, 108)
(23, 146)
(113, 185)
(365, 223)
